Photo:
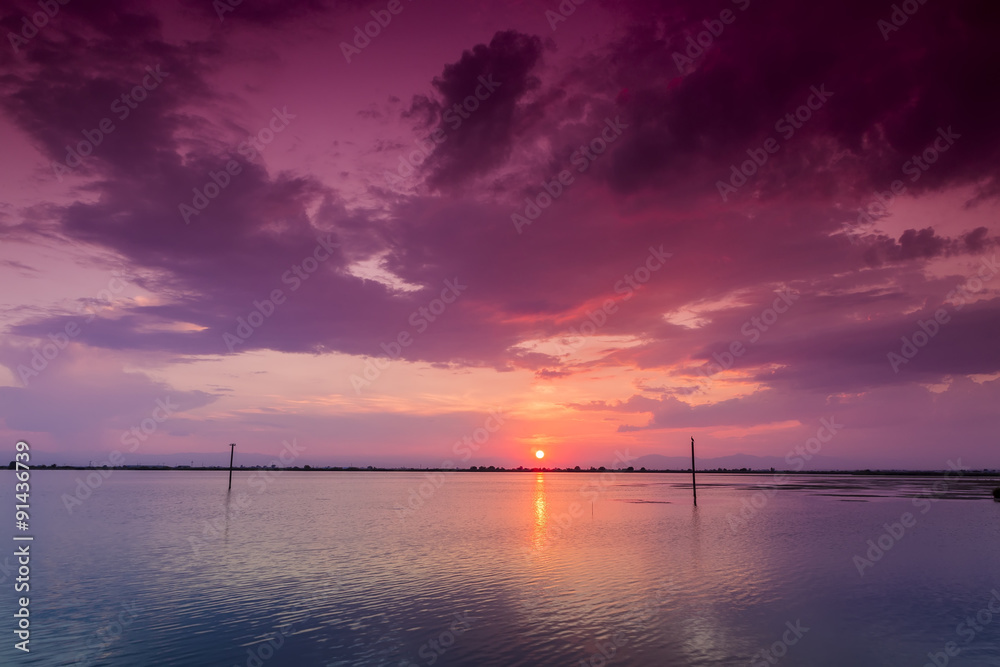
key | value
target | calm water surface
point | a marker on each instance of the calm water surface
(325, 568)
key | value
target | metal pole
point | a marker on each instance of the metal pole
(694, 482)
(232, 450)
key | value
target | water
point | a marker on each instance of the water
(326, 568)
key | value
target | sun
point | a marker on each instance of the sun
(540, 454)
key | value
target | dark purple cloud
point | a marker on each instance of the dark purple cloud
(889, 106)
(480, 106)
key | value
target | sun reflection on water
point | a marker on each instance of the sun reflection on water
(541, 513)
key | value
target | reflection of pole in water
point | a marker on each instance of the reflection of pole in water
(694, 482)
(225, 537)
(232, 450)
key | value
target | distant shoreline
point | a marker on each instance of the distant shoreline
(480, 469)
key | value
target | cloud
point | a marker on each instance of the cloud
(763, 65)
(925, 244)
(480, 107)
(85, 397)
(793, 223)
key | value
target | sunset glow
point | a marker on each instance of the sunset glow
(294, 290)
(612, 231)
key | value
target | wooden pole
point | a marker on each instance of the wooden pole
(232, 450)
(694, 482)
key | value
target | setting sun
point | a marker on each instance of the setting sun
(540, 454)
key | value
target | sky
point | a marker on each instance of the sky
(430, 233)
